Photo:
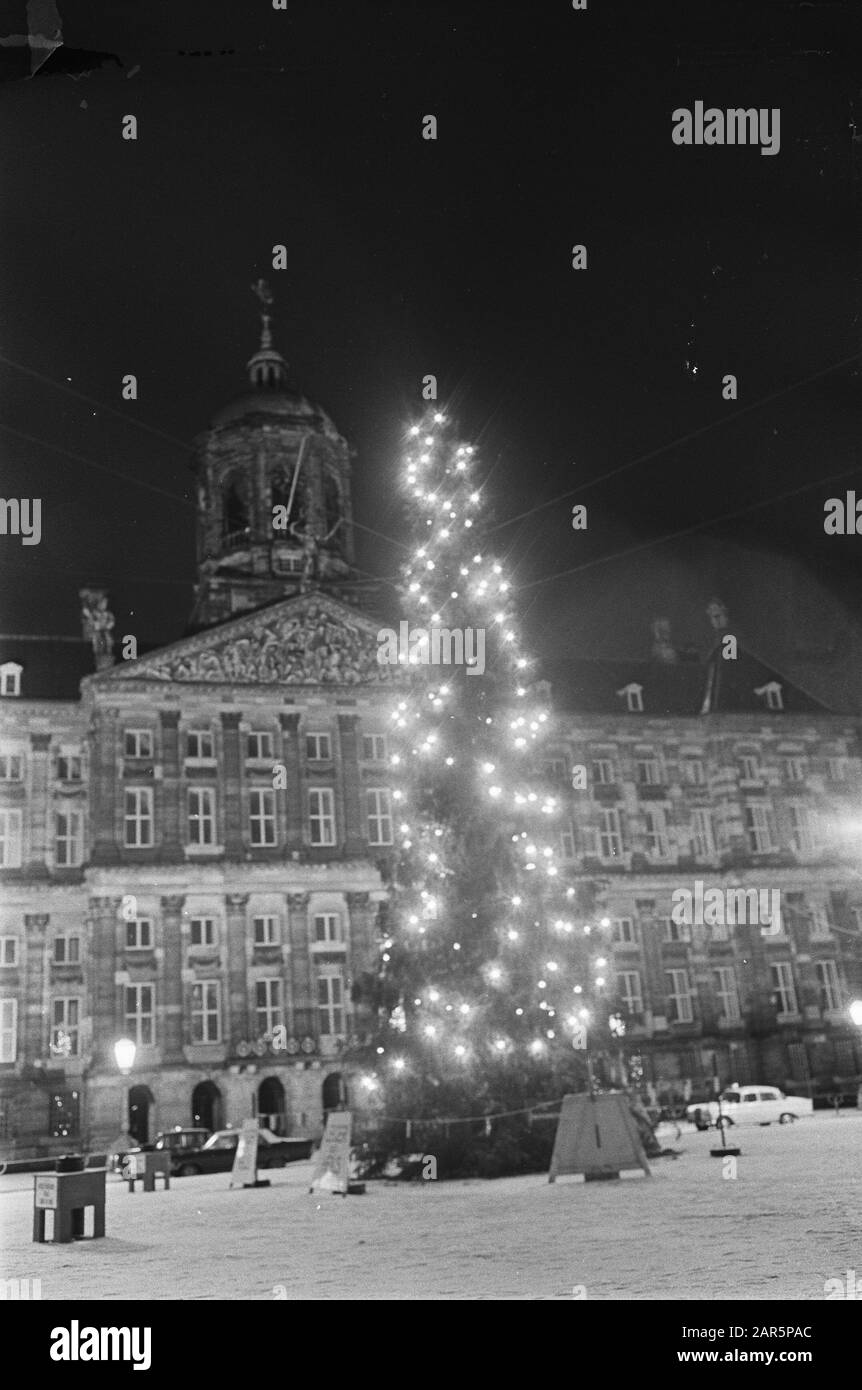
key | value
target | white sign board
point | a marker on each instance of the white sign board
(333, 1160)
(46, 1192)
(245, 1160)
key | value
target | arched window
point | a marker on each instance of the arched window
(235, 515)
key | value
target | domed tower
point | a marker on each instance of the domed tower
(273, 480)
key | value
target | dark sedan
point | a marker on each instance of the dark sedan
(218, 1153)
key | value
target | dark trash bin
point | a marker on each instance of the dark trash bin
(70, 1163)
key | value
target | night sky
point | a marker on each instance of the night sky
(452, 257)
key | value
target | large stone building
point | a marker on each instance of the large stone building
(717, 772)
(191, 838)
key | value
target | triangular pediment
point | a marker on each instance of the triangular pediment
(304, 641)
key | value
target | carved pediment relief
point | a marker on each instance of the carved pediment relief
(303, 641)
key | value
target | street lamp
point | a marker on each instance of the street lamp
(855, 1012)
(124, 1055)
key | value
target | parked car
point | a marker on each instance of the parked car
(218, 1153)
(177, 1140)
(752, 1105)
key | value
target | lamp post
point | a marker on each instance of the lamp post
(124, 1055)
(855, 1012)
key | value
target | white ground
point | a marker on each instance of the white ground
(790, 1220)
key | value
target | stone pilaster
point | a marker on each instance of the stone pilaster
(353, 821)
(236, 1023)
(170, 791)
(169, 1034)
(105, 787)
(35, 1023)
(40, 804)
(291, 799)
(301, 983)
(101, 963)
(232, 763)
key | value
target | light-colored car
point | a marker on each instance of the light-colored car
(750, 1105)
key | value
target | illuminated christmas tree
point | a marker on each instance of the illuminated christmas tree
(491, 961)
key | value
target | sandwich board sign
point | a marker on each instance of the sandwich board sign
(244, 1171)
(596, 1136)
(333, 1160)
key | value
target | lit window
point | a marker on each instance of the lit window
(265, 931)
(610, 833)
(8, 950)
(10, 678)
(321, 816)
(692, 772)
(206, 1011)
(318, 748)
(10, 839)
(773, 694)
(138, 743)
(374, 748)
(65, 1021)
(629, 991)
(139, 934)
(138, 817)
(68, 838)
(140, 1014)
(261, 816)
(259, 746)
(202, 816)
(784, 989)
(633, 697)
(379, 816)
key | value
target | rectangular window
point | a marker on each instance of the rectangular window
(267, 1005)
(679, 1008)
(830, 987)
(793, 769)
(374, 748)
(567, 846)
(648, 772)
(206, 1011)
(784, 989)
(139, 934)
(321, 816)
(749, 768)
(202, 931)
(801, 834)
(65, 1021)
(11, 767)
(318, 748)
(836, 769)
(68, 838)
(265, 931)
(200, 746)
(629, 990)
(261, 817)
(327, 926)
(330, 1003)
(702, 836)
(8, 950)
(138, 817)
(259, 745)
(69, 767)
(141, 1014)
(379, 814)
(625, 932)
(603, 772)
(554, 769)
(610, 833)
(138, 743)
(8, 1030)
(674, 931)
(758, 829)
(202, 816)
(10, 839)
(726, 994)
(692, 772)
(656, 841)
(67, 950)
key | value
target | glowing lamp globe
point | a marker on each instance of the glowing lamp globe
(124, 1052)
(855, 1012)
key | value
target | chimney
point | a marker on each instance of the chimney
(662, 647)
(98, 625)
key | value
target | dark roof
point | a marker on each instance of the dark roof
(52, 667)
(684, 688)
